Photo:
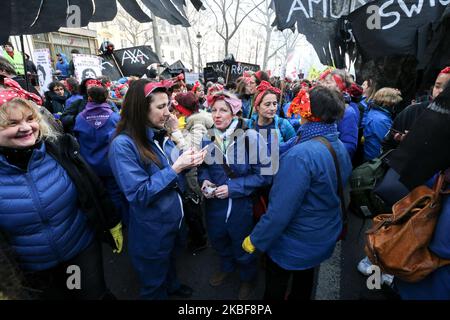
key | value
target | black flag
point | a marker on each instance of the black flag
(318, 20)
(135, 61)
(383, 28)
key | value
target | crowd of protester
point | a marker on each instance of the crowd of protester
(155, 156)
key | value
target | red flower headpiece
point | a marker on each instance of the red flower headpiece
(301, 105)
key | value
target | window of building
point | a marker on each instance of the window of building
(123, 43)
(104, 24)
(172, 55)
(65, 42)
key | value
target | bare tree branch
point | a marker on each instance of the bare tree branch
(243, 18)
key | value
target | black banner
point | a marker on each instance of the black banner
(32, 17)
(383, 28)
(318, 20)
(110, 68)
(135, 61)
(237, 70)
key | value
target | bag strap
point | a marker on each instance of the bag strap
(228, 171)
(338, 172)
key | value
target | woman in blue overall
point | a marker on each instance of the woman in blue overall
(266, 119)
(229, 177)
(151, 180)
(304, 219)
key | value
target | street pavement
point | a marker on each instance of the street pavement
(337, 278)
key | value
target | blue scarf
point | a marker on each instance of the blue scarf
(311, 130)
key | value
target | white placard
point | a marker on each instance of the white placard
(87, 66)
(43, 63)
(191, 78)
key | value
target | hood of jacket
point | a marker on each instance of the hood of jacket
(204, 118)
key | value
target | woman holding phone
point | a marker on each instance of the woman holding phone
(228, 183)
(148, 172)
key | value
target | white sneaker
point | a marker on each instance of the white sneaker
(387, 279)
(364, 265)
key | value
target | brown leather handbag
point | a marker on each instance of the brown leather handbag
(398, 242)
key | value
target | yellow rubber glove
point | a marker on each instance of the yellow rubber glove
(247, 245)
(117, 235)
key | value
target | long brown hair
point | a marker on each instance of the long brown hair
(134, 119)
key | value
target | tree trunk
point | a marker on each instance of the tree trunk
(156, 38)
(266, 48)
(191, 49)
(226, 46)
(256, 53)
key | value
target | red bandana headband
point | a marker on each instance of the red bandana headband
(339, 81)
(94, 83)
(446, 70)
(301, 105)
(14, 90)
(262, 89)
(184, 111)
(118, 89)
(151, 86)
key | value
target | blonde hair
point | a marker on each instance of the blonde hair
(46, 131)
(388, 97)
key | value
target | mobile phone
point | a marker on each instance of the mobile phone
(209, 190)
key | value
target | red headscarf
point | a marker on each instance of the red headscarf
(446, 70)
(94, 83)
(301, 105)
(14, 90)
(339, 81)
(262, 89)
(151, 86)
(196, 86)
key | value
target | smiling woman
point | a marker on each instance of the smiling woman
(21, 124)
(42, 199)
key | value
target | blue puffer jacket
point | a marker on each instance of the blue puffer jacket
(156, 209)
(377, 124)
(39, 214)
(348, 130)
(436, 286)
(303, 221)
